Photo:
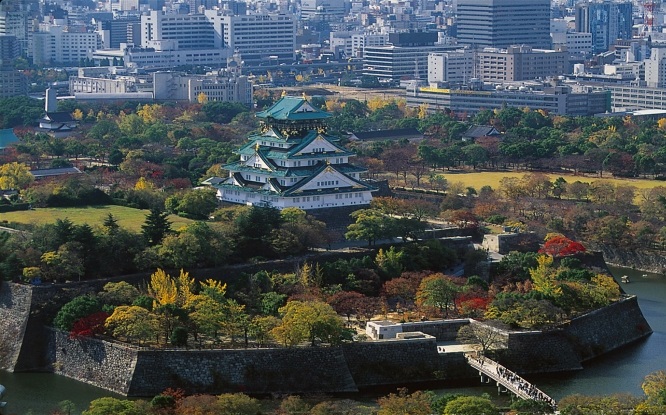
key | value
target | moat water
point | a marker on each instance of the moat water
(620, 371)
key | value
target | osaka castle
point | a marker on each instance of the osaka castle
(293, 162)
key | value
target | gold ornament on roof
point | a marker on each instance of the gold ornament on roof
(257, 147)
(284, 93)
(305, 96)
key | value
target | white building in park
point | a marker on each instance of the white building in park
(293, 162)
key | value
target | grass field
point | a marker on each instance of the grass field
(128, 218)
(492, 179)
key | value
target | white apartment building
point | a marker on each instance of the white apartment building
(632, 98)
(323, 10)
(57, 45)
(175, 86)
(352, 44)
(256, 37)
(455, 66)
(579, 42)
(163, 59)
(519, 63)
(655, 68)
(189, 31)
(363, 40)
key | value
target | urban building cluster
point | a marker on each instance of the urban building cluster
(511, 51)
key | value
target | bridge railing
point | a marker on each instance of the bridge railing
(507, 378)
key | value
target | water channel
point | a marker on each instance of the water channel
(620, 371)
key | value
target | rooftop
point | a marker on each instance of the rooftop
(293, 109)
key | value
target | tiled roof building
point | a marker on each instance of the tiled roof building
(293, 162)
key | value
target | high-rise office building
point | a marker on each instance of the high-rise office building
(606, 21)
(503, 23)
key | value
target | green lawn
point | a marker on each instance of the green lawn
(128, 218)
(479, 179)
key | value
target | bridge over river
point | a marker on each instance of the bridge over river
(511, 382)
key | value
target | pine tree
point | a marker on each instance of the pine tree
(156, 226)
(110, 223)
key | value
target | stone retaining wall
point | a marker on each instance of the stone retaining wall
(302, 370)
(608, 328)
(15, 303)
(103, 364)
(348, 368)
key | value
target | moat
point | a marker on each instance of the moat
(621, 371)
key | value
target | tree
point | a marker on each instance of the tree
(347, 303)
(308, 321)
(560, 245)
(237, 404)
(15, 176)
(402, 403)
(112, 406)
(89, 325)
(197, 203)
(370, 225)
(543, 277)
(438, 291)
(483, 337)
(132, 323)
(76, 309)
(118, 293)
(293, 405)
(389, 262)
(156, 227)
(163, 288)
(470, 405)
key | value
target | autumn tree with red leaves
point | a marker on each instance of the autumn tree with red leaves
(350, 303)
(560, 246)
(89, 326)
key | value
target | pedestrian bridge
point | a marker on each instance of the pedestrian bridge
(507, 380)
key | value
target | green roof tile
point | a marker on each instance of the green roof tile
(293, 108)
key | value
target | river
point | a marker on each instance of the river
(620, 371)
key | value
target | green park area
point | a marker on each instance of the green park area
(492, 178)
(127, 217)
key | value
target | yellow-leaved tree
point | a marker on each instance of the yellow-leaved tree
(543, 277)
(163, 288)
(15, 176)
(132, 323)
(143, 184)
(185, 286)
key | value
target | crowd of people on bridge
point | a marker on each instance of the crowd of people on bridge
(520, 383)
(525, 386)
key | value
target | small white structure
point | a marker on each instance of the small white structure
(381, 330)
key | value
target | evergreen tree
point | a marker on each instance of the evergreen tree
(156, 226)
(110, 223)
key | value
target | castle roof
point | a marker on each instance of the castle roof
(293, 109)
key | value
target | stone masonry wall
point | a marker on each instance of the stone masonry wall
(608, 328)
(583, 338)
(97, 362)
(392, 361)
(303, 370)
(15, 303)
(539, 352)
